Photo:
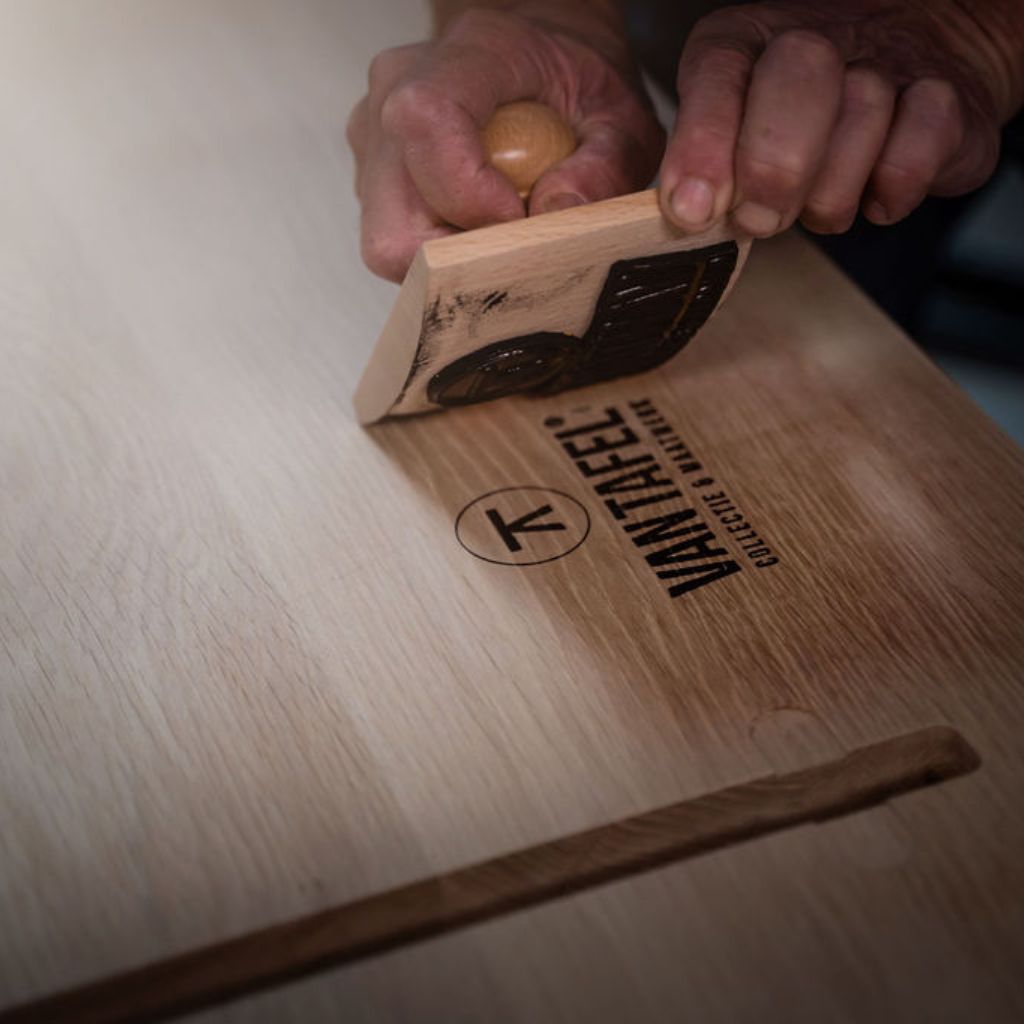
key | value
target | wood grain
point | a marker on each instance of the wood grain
(248, 672)
(512, 881)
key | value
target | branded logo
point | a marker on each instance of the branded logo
(665, 503)
(522, 526)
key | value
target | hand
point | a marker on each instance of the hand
(818, 109)
(420, 166)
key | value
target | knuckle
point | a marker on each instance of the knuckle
(780, 174)
(696, 153)
(719, 22)
(476, 23)
(935, 103)
(706, 143)
(408, 108)
(828, 217)
(890, 175)
(724, 26)
(901, 183)
(386, 256)
(935, 97)
(723, 64)
(386, 66)
(805, 49)
(866, 91)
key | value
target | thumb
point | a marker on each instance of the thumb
(609, 161)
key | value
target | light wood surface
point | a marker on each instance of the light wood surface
(512, 881)
(249, 671)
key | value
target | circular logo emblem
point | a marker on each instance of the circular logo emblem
(505, 368)
(522, 526)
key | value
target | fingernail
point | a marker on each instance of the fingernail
(561, 201)
(876, 212)
(692, 201)
(756, 219)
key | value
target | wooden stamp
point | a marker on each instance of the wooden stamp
(545, 304)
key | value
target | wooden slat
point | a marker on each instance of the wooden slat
(512, 881)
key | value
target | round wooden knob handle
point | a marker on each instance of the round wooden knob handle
(522, 140)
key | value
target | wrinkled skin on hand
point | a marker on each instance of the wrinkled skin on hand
(421, 171)
(814, 110)
(809, 110)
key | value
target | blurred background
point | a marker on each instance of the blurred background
(951, 275)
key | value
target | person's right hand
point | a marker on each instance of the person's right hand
(420, 166)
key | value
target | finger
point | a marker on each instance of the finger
(975, 161)
(697, 171)
(441, 146)
(927, 131)
(792, 106)
(395, 220)
(857, 140)
(388, 68)
(436, 116)
(610, 160)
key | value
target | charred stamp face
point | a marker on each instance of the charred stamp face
(542, 304)
(525, 364)
(648, 309)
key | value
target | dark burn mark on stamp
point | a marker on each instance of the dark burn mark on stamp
(492, 301)
(648, 309)
(434, 321)
(466, 311)
(439, 315)
(529, 363)
(437, 318)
